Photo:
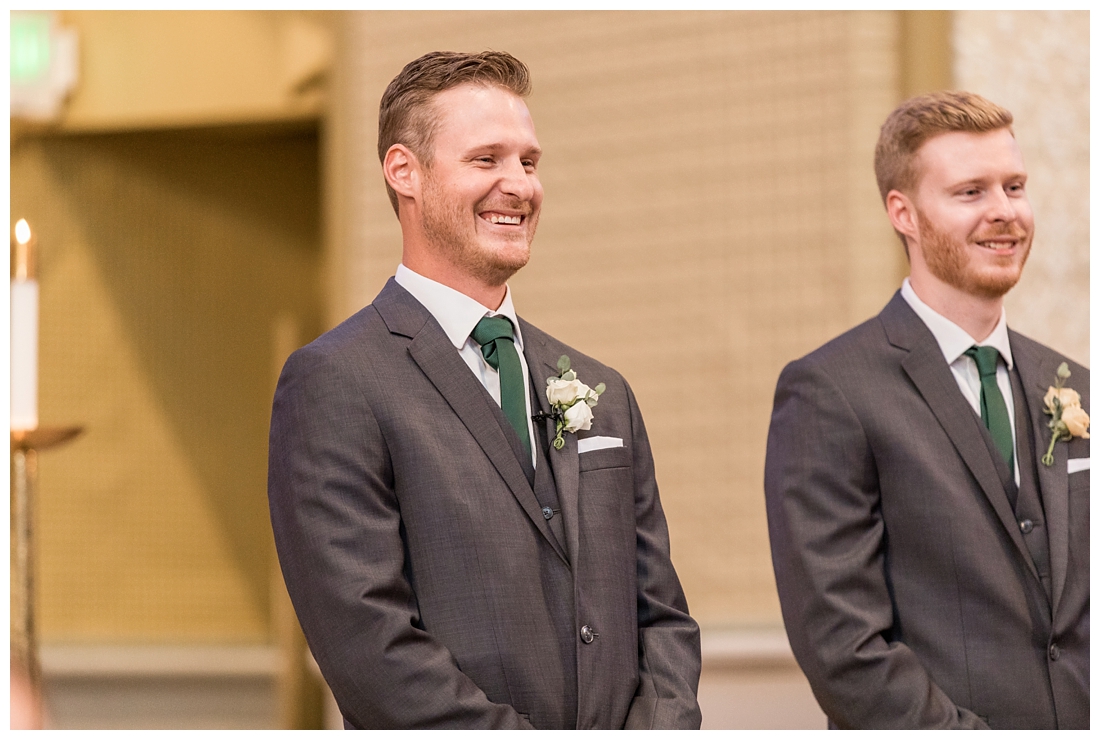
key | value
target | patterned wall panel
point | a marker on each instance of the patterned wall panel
(167, 262)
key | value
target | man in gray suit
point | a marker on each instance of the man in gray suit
(463, 549)
(928, 499)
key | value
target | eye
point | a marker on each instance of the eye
(529, 164)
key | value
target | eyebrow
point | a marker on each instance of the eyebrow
(980, 180)
(532, 152)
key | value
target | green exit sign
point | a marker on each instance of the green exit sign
(30, 47)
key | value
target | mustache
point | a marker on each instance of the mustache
(1013, 231)
(506, 204)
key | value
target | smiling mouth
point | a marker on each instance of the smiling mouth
(501, 218)
(998, 245)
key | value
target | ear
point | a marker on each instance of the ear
(903, 215)
(401, 169)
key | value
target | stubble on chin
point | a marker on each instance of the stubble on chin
(449, 230)
(949, 260)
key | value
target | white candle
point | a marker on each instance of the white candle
(24, 336)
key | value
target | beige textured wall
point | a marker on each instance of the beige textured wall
(167, 262)
(1036, 64)
(710, 215)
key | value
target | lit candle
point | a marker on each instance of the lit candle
(24, 333)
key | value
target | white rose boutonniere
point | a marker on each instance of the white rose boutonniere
(1067, 418)
(571, 402)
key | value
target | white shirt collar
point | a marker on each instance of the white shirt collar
(952, 338)
(456, 312)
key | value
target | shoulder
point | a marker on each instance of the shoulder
(1040, 362)
(349, 340)
(546, 350)
(1036, 349)
(853, 354)
(393, 317)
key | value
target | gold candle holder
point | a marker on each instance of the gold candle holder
(24, 473)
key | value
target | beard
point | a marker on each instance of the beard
(952, 261)
(449, 225)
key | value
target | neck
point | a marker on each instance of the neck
(440, 270)
(976, 315)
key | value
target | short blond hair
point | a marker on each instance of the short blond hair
(919, 119)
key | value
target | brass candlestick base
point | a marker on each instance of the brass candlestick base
(24, 479)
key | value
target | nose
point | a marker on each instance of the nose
(517, 181)
(1002, 207)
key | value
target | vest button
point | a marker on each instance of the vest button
(547, 513)
(588, 634)
(1026, 526)
(1055, 652)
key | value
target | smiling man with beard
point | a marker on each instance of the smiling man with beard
(460, 551)
(929, 517)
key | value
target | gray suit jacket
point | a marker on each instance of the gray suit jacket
(908, 592)
(432, 590)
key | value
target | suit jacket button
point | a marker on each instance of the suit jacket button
(588, 634)
(1055, 652)
(1026, 526)
(547, 513)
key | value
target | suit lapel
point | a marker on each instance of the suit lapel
(1037, 372)
(931, 375)
(441, 363)
(543, 363)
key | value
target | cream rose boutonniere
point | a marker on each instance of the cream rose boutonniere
(1067, 418)
(571, 402)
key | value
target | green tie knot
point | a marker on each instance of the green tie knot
(487, 332)
(985, 358)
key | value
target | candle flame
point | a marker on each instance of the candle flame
(22, 231)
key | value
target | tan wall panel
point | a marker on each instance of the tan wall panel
(141, 69)
(710, 215)
(165, 261)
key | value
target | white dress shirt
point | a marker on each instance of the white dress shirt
(458, 314)
(954, 341)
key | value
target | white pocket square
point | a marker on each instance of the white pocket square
(1078, 464)
(597, 443)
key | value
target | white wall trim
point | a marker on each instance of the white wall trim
(732, 648)
(722, 647)
(70, 660)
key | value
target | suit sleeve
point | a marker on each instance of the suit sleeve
(668, 638)
(828, 548)
(338, 533)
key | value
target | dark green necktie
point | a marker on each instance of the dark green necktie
(994, 411)
(498, 347)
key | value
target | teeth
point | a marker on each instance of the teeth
(497, 218)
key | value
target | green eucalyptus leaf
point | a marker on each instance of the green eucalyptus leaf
(599, 389)
(1063, 371)
(568, 375)
(563, 364)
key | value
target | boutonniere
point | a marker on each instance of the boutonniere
(571, 402)
(1067, 418)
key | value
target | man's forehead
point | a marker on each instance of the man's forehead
(962, 155)
(481, 112)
